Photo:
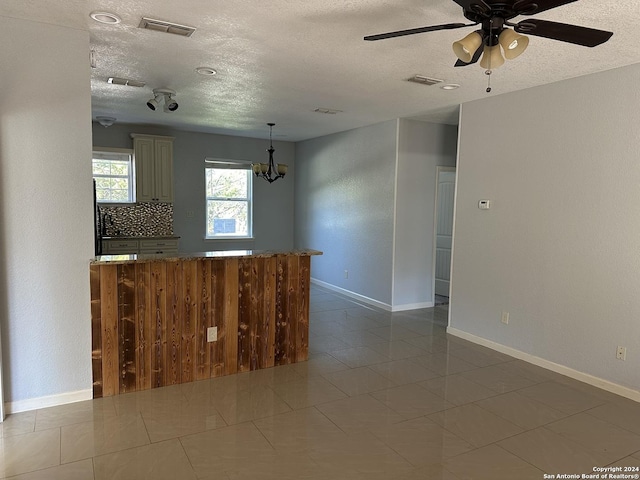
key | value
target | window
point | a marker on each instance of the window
(228, 195)
(113, 173)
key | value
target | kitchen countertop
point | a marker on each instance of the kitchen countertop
(143, 258)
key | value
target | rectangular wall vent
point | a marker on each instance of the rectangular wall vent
(166, 27)
(125, 81)
(328, 111)
(424, 80)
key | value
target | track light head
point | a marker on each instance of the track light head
(153, 103)
(170, 103)
(160, 94)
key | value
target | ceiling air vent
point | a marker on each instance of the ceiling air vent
(328, 111)
(125, 81)
(424, 80)
(166, 27)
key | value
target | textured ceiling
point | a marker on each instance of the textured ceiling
(279, 60)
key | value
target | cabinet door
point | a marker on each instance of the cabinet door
(113, 246)
(145, 179)
(156, 246)
(163, 170)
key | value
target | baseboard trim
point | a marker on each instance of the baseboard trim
(48, 401)
(411, 306)
(350, 294)
(554, 367)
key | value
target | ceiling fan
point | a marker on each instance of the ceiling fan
(493, 17)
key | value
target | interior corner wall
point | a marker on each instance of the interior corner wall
(422, 147)
(344, 196)
(46, 215)
(559, 248)
(273, 208)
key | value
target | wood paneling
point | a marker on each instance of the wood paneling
(127, 327)
(109, 329)
(144, 340)
(96, 327)
(189, 320)
(158, 308)
(149, 320)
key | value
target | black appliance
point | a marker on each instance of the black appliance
(97, 223)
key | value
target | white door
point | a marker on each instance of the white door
(445, 193)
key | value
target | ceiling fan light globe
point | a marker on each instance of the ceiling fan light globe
(492, 58)
(512, 43)
(466, 48)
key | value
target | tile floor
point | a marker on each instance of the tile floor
(383, 397)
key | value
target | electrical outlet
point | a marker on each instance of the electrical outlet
(212, 334)
(190, 213)
(346, 274)
(505, 318)
(621, 353)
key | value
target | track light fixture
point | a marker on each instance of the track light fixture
(268, 171)
(160, 95)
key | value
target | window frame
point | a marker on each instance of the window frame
(131, 177)
(223, 164)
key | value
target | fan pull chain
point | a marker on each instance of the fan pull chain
(488, 72)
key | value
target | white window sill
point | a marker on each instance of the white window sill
(229, 239)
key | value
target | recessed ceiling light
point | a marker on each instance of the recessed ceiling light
(450, 86)
(206, 71)
(105, 17)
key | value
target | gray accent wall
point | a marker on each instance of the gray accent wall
(366, 198)
(46, 233)
(344, 207)
(273, 203)
(421, 148)
(560, 247)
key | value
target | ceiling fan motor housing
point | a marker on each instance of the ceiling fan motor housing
(478, 10)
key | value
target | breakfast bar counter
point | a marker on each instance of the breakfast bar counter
(162, 320)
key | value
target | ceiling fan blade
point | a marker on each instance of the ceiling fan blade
(412, 31)
(474, 59)
(531, 7)
(588, 37)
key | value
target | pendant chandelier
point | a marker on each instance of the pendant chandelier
(268, 171)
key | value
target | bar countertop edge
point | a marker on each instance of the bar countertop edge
(222, 254)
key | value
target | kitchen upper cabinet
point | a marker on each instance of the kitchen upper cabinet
(153, 156)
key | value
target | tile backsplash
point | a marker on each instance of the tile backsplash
(141, 219)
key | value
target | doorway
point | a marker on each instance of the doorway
(445, 196)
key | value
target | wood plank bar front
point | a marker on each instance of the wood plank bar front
(149, 318)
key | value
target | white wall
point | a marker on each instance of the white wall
(560, 248)
(273, 204)
(46, 217)
(344, 193)
(421, 148)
